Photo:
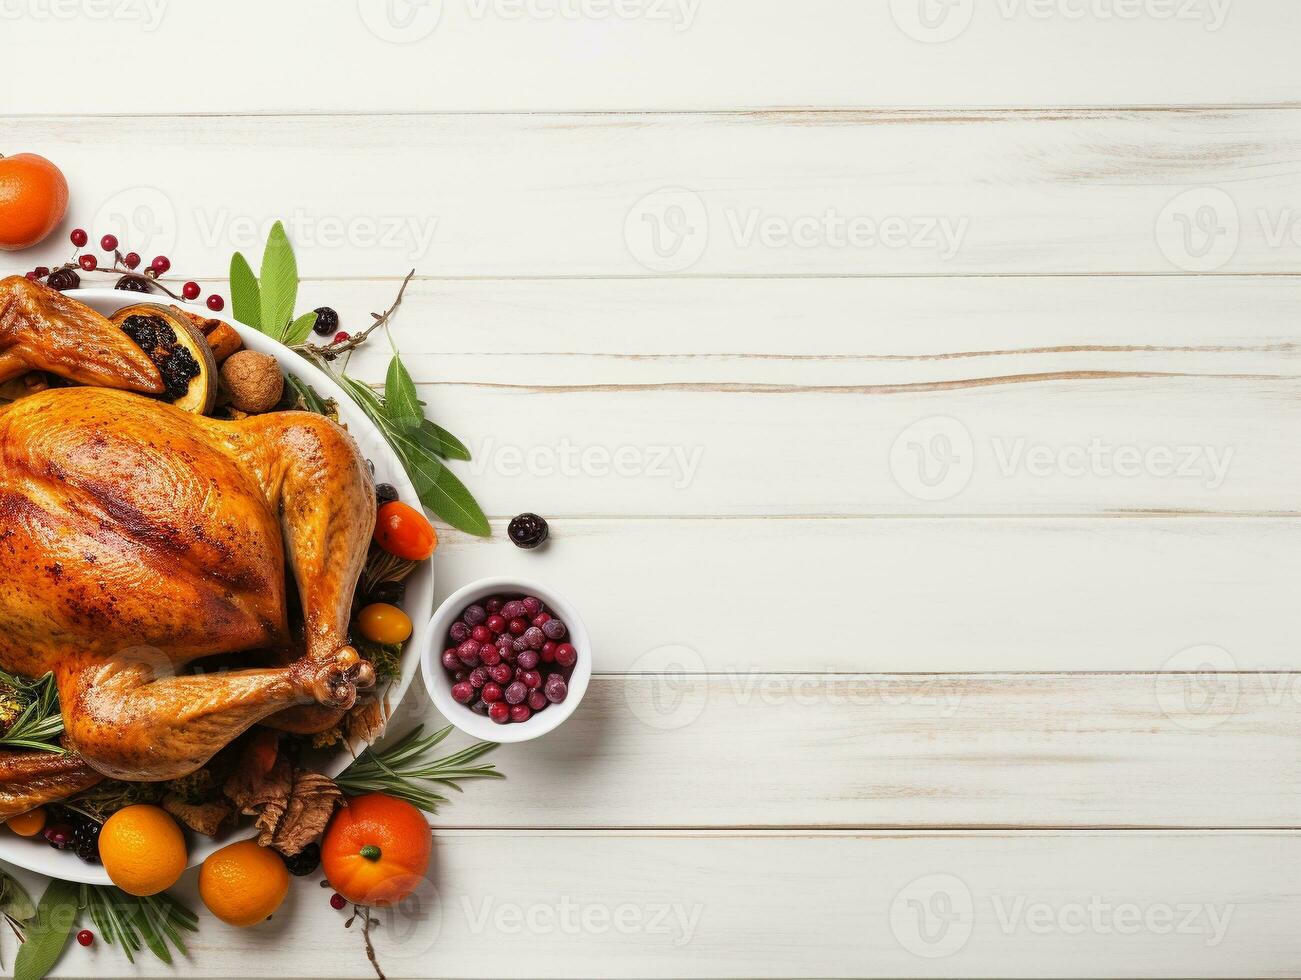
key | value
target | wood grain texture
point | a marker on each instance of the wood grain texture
(810, 904)
(496, 55)
(781, 193)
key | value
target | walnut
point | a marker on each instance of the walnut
(253, 381)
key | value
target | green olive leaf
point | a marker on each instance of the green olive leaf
(441, 442)
(49, 932)
(401, 401)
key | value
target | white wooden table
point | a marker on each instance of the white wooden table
(913, 393)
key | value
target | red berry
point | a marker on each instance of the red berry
(566, 655)
(191, 290)
(532, 605)
(131, 260)
(501, 673)
(342, 336)
(30, 275)
(79, 237)
(499, 712)
(88, 262)
(108, 243)
(489, 655)
(537, 700)
(520, 713)
(531, 679)
(451, 661)
(216, 303)
(85, 937)
(160, 264)
(337, 901)
(517, 627)
(481, 633)
(492, 605)
(492, 693)
(494, 623)
(42, 271)
(541, 619)
(463, 692)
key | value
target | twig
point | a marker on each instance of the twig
(330, 351)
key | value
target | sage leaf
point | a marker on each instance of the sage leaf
(400, 398)
(278, 283)
(300, 329)
(14, 900)
(48, 934)
(245, 296)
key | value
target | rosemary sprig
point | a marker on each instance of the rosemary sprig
(395, 769)
(40, 722)
(134, 923)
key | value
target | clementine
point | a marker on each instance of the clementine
(33, 198)
(242, 884)
(376, 850)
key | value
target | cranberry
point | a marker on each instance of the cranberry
(502, 673)
(216, 303)
(160, 264)
(59, 836)
(478, 677)
(191, 290)
(481, 633)
(108, 243)
(86, 937)
(469, 653)
(548, 656)
(528, 659)
(537, 700)
(342, 337)
(475, 615)
(489, 655)
(556, 689)
(513, 609)
(131, 260)
(492, 693)
(337, 901)
(499, 712)
(79, 237)
(460, 632)
(516, 693)
(480, 707)
(88, 263)
(517, 627)
(520, 713)
(541, 619)
(451, 661)
(492, 605)
(463, 692)
(31, 276)
(532, 605)
(534, 637)
(566, 655)
(554, 630)
(531, 679)
(495, 623)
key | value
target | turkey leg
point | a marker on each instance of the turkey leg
(32, 779)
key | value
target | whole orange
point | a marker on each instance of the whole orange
(28, 824)
(242, 883)
(376, 850)
(33, 197)
(143, 849)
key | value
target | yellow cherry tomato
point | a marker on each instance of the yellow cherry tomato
(382, 623)
(28, 824)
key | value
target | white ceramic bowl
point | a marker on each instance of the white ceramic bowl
(440, 685)
(36, 855)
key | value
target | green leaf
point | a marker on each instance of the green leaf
(441, 442)
(401, 401)
(300, 329)
(14, 900)
(48, 935)
(278, 283)
(245, 296)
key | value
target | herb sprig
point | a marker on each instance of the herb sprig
(266, 303)
(400, 769)
(39, 723)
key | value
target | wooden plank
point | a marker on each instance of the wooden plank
(688, 54)
(846, 194)
(925, 595)
(1192, 746)
(558, 904)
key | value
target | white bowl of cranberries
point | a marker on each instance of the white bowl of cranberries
(508, 660)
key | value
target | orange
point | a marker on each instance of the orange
(376, 850)
(143, 849)
(33, 197)
(28, 824)
(242, 883)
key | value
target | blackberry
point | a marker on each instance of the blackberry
(85, 840)
(327, 321)
(305, 861)
(385, 493)
(527, 531)
(62, 279)
(391, 592)
(133, 284)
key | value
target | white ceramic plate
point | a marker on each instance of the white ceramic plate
(35, 854)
